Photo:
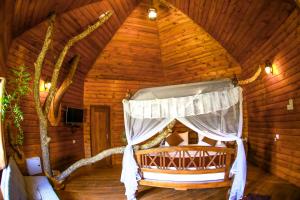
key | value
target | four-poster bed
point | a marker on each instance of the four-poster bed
(212, 109)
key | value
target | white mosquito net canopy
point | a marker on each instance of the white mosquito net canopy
(213, 109)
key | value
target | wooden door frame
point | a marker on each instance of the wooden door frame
(103, 107)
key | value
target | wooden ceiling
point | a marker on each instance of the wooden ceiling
(133, 53)
(189, 53)
(240, 26)
(73, 22)
(29, 13)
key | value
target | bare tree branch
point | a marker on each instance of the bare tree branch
(54, 115)
(58, 181)
(103, 18)
(251, 79)
(43, 113)
(38, 65)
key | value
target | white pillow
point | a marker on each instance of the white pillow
(185, 137)
(220, 144)
(40, 188)
(32, 188)
(45, 189)
(166, 144)
(200, 142)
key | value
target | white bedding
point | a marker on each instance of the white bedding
(183, 177)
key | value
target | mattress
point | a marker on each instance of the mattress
(183, 177)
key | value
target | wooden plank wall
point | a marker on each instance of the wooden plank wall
(241, 26)
(253, 31)
(129, 62)
(110, 93)
(268, 97)
(145, 54)
(189, 53)
(6, 16)
(25, 49)
(62, 150)
(134, 51)
(132, 60)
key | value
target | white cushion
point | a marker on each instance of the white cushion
(40, 188)
(13, 184)
(185, 137)
(201, 143)
(32, 188)
(220, 144)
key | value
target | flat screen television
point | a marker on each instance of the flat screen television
(74, 116)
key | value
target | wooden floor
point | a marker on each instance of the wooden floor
(92, 183)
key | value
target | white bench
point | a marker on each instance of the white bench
(15, 186)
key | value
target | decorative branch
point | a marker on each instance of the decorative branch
(54, 115)
(43, 112)
(42, 118)
(103, 18)
(251, 79)
(38, 66)
(58, 180)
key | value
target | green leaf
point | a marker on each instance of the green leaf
(10, 101)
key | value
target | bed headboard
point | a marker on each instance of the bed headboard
(186, 160)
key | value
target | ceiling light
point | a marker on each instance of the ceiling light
(268, 67)
(152, 14)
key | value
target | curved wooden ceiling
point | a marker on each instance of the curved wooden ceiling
(133, 53)
(29, 13)
(189, 53)
(241, 26)
(73, 22)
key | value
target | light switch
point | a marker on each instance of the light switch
(34, 165)
(290, 105)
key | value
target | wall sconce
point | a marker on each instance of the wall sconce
(45, 85)
(268, 67)
(152, 14)
(276, 138)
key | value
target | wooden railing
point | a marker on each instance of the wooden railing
(186, 160)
